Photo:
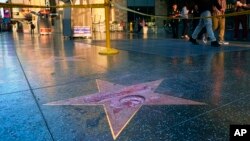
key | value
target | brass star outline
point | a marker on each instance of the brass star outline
(121, 103)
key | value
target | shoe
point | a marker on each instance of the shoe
(204, 39)
(186, 37)
(223, 43)
(193, 41)
(215, 44)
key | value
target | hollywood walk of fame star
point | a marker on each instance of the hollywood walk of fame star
(121, 103)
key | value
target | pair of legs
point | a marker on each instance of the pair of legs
(243, 20)
(204, 22)
(139, 28)
(185, 27)
(195, 22)
(219, 23)
(175, 28)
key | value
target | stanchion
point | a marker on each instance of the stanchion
(108, 50)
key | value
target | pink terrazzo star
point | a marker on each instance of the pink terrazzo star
(121, 103)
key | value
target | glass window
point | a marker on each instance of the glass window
(141, 3)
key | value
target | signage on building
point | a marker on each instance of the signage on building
(45, 31)
(81, 31)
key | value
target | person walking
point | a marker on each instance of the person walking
(32, 27)
(174, 14)
(219, 20)
(195, 22)
(184, 15)
(205, 21)
(240, 6)
(139, 25)
(196, 14)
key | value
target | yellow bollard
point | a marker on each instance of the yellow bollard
(108, 50)
(130, 27)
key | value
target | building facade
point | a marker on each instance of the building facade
(92, 17)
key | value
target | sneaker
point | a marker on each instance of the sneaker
(186, 37)
(204, 39)
(223, 43)
(193, 41)
(215, 44)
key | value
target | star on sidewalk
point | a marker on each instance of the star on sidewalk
(121, 103)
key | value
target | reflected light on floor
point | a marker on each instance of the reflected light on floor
(218, 76)
(145, 36)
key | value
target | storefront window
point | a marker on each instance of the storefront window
(143, 6)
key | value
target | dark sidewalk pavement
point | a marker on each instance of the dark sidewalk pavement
(155, 89)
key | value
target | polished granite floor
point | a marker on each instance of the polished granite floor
(155, 89)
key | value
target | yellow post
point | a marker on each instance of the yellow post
(108, 50)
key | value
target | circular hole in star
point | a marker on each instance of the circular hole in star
(132, 100)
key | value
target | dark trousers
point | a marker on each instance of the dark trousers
(175, 28)
(139, 27)
(243, 20)
(185, 27)
(195, 23)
